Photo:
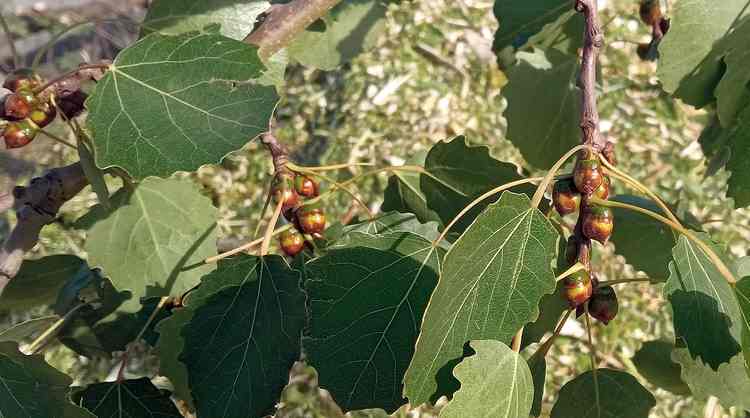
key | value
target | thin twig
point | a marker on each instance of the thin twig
(270, 229)
(69, 74)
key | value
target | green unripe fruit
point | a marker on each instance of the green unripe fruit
(603, 304)
(598, 222)
(305, 186)
(291, 242)
(565, 197)
(19, 134)
(578, 288)
(588, 175)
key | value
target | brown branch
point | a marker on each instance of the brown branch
(285, 21)
(592, 43)
(36, 206)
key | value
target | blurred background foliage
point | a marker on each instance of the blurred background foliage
(431, 76)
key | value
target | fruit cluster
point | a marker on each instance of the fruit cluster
(595, 222)
(25, 111)
(291, 189)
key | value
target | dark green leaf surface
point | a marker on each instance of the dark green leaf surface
(540, 126)
(366, 301)
(94, 175)
(739, 164)
(174, 17)
(404, 193)
(26, 329)
(396, 222)
(490, 285)
(538, 367)
(705, 310)
(564, 34)
(459, 173)
(148, 242)
(39, 281)
(620, 396)
(169, 347)
(654, 362)
(495, 383)
(244, 336)
(30, 388)
(730, 382)
(129, 398)
(175, 103)
(645, 242)
(742, 290)
(550, 309)
(519, 20)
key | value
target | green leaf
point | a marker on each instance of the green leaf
(303, 397)
(519, 20)
(94, 175)
(39, 281)
(700, 33)
(30, 388)
(645, 242)
(705, 311)
(459, 173)
(739, 164)
(729, 382)
(490, 285)
(174, 17)
(169, 347)
(654, 362)
(543, 127)
(391, 222)
(351, 27)
(404, 193)
(175, 103)
(742, 290)
(564, 34)
(244, 335)
(366, 301)
(151, 242)
(732, 93)
(538, 368)
(550, 308)
(129, 398)
(495, 383)
(620, 396)
(26, 329)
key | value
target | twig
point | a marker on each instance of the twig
(41, 341)
(285, 21)
(71, 74)
(270, 229)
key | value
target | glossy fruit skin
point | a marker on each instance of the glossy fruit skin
(588, 175)
(22, 78)
(602, 192)
(305, 186)
(19, 134)
(311, 219)
(16, 107)
(603, 304)
(291, 242)
(571, 250)
(283, 191)
(650, 12)
(578, 288)
(566, 197)
(43, 115)
(598, 222)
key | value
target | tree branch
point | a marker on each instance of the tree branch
(592, 43)
(285, 21)
(36, 206)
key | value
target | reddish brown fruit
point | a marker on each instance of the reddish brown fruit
(650, 12)
(598, 222)
(43, 115)
(603, 304)
(578, 288)
(565, 197)
(291, 242)
(283, 191)
(19, 134)
(571, 250)
(587, 175)
(305, 186)
(22, 78)
(311, 219)
(602, 192)
(16, 107)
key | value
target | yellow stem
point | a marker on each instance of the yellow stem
(269, 229)
(244, 247)
(551, 174)
(332, 167)
(544, 348)
(52, 331)
(574, 269)
(342, 186)
(517, 341)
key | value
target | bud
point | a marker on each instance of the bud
(603, 304)
(598, 223)
(565, 197)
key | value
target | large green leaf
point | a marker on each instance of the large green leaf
(30, 388)
(550, 308)
(174, 17)
(543, 126)
(366, 301)
(739, 164)
(732, 92)
(620, 396)
(730, 382)
(148, 242)
(495, 383)
(169, 347)
(129, 398)
(644, 242)
(404, 193)
(538, 366)
(519, 20)
(742, 290)
(174, 103)
(690, 64)
(351, 27)
(490, 285)
(244, 336)
(654, 362)
(459, 173)
(395, 222)
(705, 310)
(39, 281)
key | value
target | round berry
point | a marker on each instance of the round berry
(587, 175)
(291, 242)
(283, 191)
(598, 222)
(22, 78)
(603, 304)
(43, 115)
(19, 134)
(311, 219)
(565, 197)
(650, 12)
(305, 186)
(578, 288)
(16, 107)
